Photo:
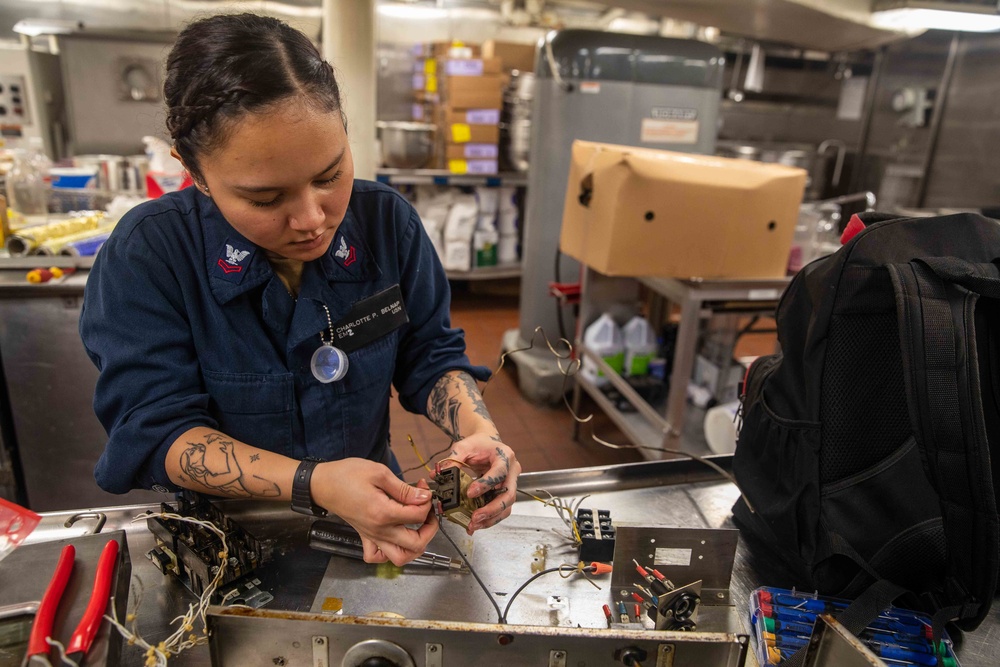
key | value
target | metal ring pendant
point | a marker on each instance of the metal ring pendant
(329, 363)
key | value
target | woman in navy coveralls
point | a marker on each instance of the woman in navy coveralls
(205, 307)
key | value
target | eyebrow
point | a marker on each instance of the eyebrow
(273, 188)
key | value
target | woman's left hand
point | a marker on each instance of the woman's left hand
(498, 469)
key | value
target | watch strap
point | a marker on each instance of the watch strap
(302, 500)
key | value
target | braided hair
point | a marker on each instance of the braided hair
(224, 67)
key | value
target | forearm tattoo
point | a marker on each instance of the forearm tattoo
(225, 477)
(445, 402)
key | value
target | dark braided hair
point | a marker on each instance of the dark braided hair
(225, 67)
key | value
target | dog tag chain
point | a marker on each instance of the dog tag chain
(329, 363)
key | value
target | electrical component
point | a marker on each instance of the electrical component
(451, 487)
(191, 552)
(597, 535)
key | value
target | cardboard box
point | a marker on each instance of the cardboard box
(463, 133)
(484, 151)
(472, 92)
(472, 166)
(513, 55)
(469, 116)
(644, 212)
(453, 49)
(467, 66)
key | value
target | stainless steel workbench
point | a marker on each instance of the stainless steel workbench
(670, 493)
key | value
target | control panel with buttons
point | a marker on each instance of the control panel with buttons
(14, 99)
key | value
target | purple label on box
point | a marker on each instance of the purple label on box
(464, 67)
(481, 166)
(482, 151)
(418, 112)
(418, 82)
(482, 116)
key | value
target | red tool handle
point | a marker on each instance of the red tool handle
(84, 634)
(41, 629)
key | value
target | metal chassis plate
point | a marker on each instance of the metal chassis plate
(709, 552)
(251, 637)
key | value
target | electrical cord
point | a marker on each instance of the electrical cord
(581, 569)
(568, 371)
(501, 617)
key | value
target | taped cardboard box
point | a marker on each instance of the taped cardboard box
(472, 92)
(513, 55)
(463, 133)
(643, 212)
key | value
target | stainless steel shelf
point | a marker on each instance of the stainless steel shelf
(487, 273)
(445, 177)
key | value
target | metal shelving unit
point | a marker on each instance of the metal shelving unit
(698, 300)
(487, 273)
(445, 177)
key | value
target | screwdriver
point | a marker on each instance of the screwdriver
(343, 540)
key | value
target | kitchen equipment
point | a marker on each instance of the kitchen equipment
(406, 145)
(515, 132)
(109, 170)
(615, 88)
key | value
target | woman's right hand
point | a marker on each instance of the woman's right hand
(379, 505)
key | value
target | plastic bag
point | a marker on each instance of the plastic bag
(16, 523)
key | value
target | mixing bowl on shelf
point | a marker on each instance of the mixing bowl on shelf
(406, 145)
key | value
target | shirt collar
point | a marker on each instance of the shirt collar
(235, 265)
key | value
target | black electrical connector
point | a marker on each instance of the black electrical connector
(597, 535)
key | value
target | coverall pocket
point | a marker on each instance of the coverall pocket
(257, 409)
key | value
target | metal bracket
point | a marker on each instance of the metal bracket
(683, 555)
(665, 655)
(434, 655)
(321, 651)
(557, 658)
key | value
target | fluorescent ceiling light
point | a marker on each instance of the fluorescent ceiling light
(413, 12)
(919, 15)
(36, 27)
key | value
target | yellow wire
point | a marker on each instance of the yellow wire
(417, 452)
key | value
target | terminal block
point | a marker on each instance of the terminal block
(597, 535)
(450, 488)
(192, 553)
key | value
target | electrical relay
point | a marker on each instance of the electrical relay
(450, 487)
(597, 535)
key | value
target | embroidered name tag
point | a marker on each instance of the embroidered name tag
(370, 319)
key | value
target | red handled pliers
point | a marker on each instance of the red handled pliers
(83, 636)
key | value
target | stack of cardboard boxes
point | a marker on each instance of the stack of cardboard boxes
(462, 93)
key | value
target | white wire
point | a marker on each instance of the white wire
(157, 656)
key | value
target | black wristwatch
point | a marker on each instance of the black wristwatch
(301, 495)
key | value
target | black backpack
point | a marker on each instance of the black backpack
(869, 447)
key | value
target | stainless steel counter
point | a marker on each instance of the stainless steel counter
(671, 493)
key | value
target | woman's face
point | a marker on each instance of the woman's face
(283, 178)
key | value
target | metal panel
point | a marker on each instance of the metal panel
(266, 638)
(25, 574)
(683, 555)
(50, 383)
(99, 120)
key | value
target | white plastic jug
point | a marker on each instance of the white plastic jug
(603, 338)
(640, 346)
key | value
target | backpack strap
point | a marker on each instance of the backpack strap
(936, 331)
